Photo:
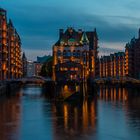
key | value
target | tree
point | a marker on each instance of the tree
(46, 70)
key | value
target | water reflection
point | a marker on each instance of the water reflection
(113, 93)
(75, 120)
(113, 115)
(10, 114)
(125, 104)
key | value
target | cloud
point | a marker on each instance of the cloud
(39, 24)
(133, 4)
(106, 48)
(32, 54)
(47, 26)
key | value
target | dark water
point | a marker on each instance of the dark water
(114, 115)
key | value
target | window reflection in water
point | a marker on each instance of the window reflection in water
(113, 93)
(75, 118)
(10, 115)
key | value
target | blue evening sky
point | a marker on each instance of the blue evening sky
(38, 21)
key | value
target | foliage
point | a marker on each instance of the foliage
(46, 70)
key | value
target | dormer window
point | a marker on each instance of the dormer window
(71, 41)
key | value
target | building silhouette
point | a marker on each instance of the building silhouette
(24, 65)
(37, 67)
(43, 59)
(132, 58)
(75, 55)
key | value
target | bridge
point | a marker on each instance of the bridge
(34, 80)
(8, 86)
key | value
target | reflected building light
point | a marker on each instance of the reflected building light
(85, 115)
(104, 91)
(107, 94)
(66, 88)
(112, 92)
(66, 116)
(115, 94)
(120, 93)
(93, 114)
(125, 95)
(10, 114)
(76, 118)
(77, 88)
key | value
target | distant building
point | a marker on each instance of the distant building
(113, 65)
(30, 69)
(132, 58)
(33, 68)
(38, 67)
(24, 65)
(123, 63)
(75, 55)
(14, 52)
(43, 59)
(10, 49)
(3, 45)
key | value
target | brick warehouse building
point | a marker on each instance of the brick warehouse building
(75, 55)
(113, 65)
(123, 63)
(10, 49)
(132, 58)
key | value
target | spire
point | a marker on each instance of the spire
(10, 23)
(95, 33)
(61, 31)
(84, 39)
(23, 56)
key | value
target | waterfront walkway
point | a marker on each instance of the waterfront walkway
(117, 80)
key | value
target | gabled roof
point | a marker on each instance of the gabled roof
(79, 37)
(3, 10)
(10, 23)
(84, 39)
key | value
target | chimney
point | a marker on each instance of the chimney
(61, 31)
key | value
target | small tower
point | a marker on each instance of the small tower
(24, 65)
(84, 39)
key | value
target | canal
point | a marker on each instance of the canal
(113, 115)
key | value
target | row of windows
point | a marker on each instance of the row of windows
(69, 53)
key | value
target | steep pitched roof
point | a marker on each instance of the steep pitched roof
(84, 39)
